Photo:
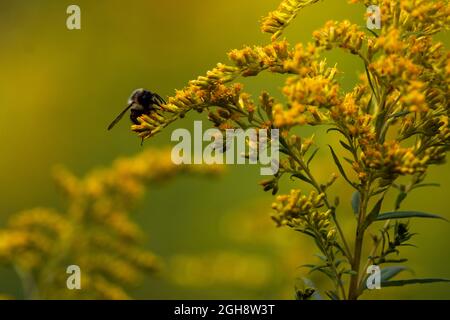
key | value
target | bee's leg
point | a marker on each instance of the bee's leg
(134, 115)
(134, 119)
(155, 103)
(159, 100)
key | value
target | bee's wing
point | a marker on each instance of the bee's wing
(117, 119)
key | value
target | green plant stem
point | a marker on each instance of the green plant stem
(372, 253)
(354, 290)
(359, 240)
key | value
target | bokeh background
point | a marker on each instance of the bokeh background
(59, 89)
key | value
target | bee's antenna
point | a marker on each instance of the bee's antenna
(142, 141)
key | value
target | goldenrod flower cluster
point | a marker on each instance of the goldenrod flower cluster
(96, 232)
(279, 19)
(343, 34)
(301, 211)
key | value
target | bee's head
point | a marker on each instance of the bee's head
(142, 97)
(145, 98)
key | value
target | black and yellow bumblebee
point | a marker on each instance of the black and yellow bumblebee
(140, 102)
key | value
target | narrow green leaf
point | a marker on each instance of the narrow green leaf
(346, 146)
(423, 185)
(336, 129)
(348, 160)
(317, 268)
(356, 202)
(338, 164)
(399, 114)
(399, 283)
(380, 121)
(390, 272)
(407, 214)
(307, 232)
(311, 157)
(373, 214)
(395, 260)
(407, 245)
(283, 150)
(327, 273)
(321, 257)
(300, 176)
(339, 248)
(379, 191)
(401, 196)
(308, 266)
(369, 104)
(258, 109)
(369, 78)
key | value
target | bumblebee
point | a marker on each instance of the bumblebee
(140, 102)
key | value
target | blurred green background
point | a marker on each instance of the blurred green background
(59, 89)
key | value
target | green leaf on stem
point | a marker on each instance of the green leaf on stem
(399, 114)
(356, 202)
(301, 176)
(423, 185)
(346, 146)
(390, 272)
(336, 129)
(311, 157)
(399, 283)
(408, 214)
(339, 165)
(401, 196)
(395, 260)
(373, 214)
